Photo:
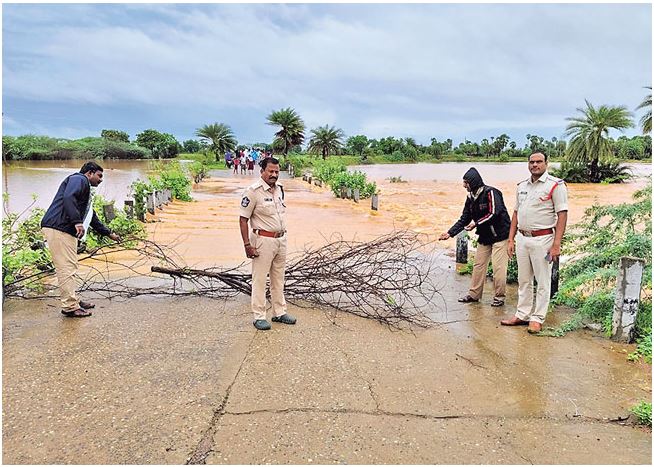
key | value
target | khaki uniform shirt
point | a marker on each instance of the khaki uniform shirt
(264, 206)
(537, 203)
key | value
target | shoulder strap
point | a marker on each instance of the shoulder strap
(282, 188)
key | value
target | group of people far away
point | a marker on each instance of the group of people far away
(244, 160)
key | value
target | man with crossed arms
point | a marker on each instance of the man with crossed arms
(263, 206)
(537, 228)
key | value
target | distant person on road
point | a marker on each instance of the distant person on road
(262, 205)
(244, 162)
(485, 211)
(537, 227)
(228, 160)
(237, 161)
(68, 219)
(250, 164)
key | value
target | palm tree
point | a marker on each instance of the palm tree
(326, 139)
(646, 120)
(590, 143)
(292, 127)
(221, 137)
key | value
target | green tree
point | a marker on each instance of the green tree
(590, 142)
(291, 131)
(191, 146)
(115, 135)
(162, 145)
(326, 140)
(499, 144)
(357, 144)
(646, 120)
(219, 136)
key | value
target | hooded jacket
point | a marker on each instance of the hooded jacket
(485, 206)
(69, 206)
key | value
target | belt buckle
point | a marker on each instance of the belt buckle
(526, 233)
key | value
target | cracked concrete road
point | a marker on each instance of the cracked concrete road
(190, 380)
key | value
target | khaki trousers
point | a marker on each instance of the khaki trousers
(63, 248)
(531, 252)
(500, 255)
(271, 261)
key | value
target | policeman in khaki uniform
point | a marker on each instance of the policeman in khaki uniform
(263, 206)
(537, 228)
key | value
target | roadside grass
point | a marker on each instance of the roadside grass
(643, 413)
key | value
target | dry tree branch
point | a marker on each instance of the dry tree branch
(388, 279)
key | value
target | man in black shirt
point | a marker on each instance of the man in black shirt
(485, 211)
(65, 221)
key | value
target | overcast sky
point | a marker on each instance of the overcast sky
(435, 70)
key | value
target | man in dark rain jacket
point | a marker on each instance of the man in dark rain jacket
(485, 211)
(66, 220)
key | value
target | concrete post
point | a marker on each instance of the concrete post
(348, 193)
(149, 202)
(109, 213)
(129, 208)
(166, 196)
(374, 202)
(343, 192)
(356, 195)
(555, 279)
(462, 247)
(309, 179)
(627, 299)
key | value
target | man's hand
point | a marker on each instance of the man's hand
(511, 248)
(251, 251)
(554, 252)
(470, 227)
(79, 230)
(115, 237)
(444, 236)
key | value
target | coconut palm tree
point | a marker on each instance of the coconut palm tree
(590, 142)
(292, 128)
(220, 136)
(646, 120)
(326, 139)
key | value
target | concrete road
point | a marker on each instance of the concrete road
(189, 380)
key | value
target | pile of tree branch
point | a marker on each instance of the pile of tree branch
(388, 279)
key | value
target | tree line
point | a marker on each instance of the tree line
(589, 149)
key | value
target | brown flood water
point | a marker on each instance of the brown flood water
(207, 229)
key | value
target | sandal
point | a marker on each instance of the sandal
(497, 302)
(78, 313)
(467, 299)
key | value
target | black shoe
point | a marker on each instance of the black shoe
(86, 305)
(262, 324)
(285, 319)
(78, 313)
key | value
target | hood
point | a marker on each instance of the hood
(474, 179)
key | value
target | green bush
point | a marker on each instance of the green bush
(643, 412)
(609, 172)
(298, 161)
(23, 245)
(327, 169)
(174, 177)
(353, 180)
(121, 225)
(43, 147)
(605, 234)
